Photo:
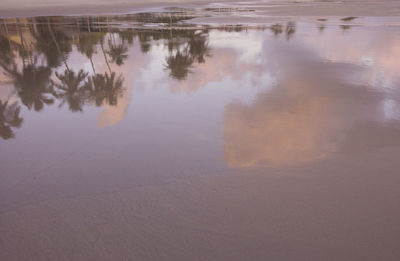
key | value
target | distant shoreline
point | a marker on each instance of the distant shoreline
(25, 8)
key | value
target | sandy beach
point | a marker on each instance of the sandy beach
(200, 130)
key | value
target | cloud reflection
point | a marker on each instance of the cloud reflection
(315, 110)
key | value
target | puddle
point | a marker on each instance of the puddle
(149, 123)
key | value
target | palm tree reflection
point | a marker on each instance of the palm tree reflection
(183, 54)
(9, 118)
(104, 88)
(87, 44)
(179, 65)
(35, 57)
(33, 85)
(71, 89)
(117, 51)
(289, 30)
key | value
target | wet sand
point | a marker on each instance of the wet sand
(154, 137)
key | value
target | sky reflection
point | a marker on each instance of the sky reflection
(289, 94)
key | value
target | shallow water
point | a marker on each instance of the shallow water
(153, 136)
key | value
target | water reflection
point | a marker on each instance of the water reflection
(9, 119)
(143, 130)
(308, 116)
(289, 29)
(35, 54)
(311, 105)
(318, 107)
